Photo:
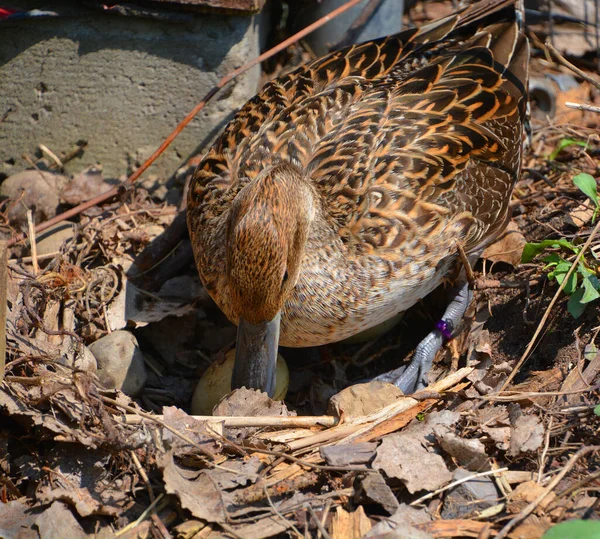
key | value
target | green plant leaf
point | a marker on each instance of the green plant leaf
(597, 410)
(531, 250)
(587, 184)
(574, 305)
(590, 286)
(564, 143)
(574, 529)
(571, 285)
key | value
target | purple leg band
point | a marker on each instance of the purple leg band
(445, 329)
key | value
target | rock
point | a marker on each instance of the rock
(86, 361)
(36, 190)
(120, 362)
(51, 239)
(470, 497)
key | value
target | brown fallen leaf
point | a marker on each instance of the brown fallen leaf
(85, 185)
(58, 521)
(405, 457)
(78, 477)
(402, 524)
(17, 520)
(527, 435)
(524, 494)
(349, 525)
(195, 490)
(508, 247)
(363, 399)
(207, 494)
(468, 453)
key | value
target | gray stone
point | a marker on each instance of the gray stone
(469, 497)
(121, 83)
(35, 190)
(386, 20)
(51, 239)
(120, 362)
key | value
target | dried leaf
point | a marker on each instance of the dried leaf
(195, 490)
(85, 185)
(207, 494)
(468, 453)
(527, 434)
(16, 521)
(79, 478)
(363, 399)
(401, 523)
(349, 525)
(250, 402)
(508, 247)
(524, 494)
(405, 457)
(57, 521)
(133, 305)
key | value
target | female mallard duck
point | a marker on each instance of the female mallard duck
(337, 196)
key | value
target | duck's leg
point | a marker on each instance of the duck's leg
(412, 377)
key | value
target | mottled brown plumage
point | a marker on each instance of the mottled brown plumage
(336, 196)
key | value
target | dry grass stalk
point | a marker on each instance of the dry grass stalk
(3, 303)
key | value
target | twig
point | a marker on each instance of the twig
(272, 505)
(544, 319)
(3, 302)
(456, 483)
(167, 142)
(143, 474)
(551, 486)
(247, 448)
(251, 421)
(582, 106)
(562, 60)
(32, 242)
(48, 152)
(141, 518)
(318, 522)
(151, 417)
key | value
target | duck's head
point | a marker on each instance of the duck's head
(267, 232)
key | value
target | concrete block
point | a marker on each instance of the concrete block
(121, 83)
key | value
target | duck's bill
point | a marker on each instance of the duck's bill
(256, 355)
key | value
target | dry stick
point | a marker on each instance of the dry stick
(582, 106)
(318, 522)
(141, 518)
(253, 421)
(3, 301)
(131, 409)
(221, 84)
(456, 483)
(32, 242)
(544, 319)
(533, 505)
(562, 60)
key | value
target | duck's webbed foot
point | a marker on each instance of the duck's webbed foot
(412, 377)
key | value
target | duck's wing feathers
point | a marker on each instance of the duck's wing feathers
(396, 133)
